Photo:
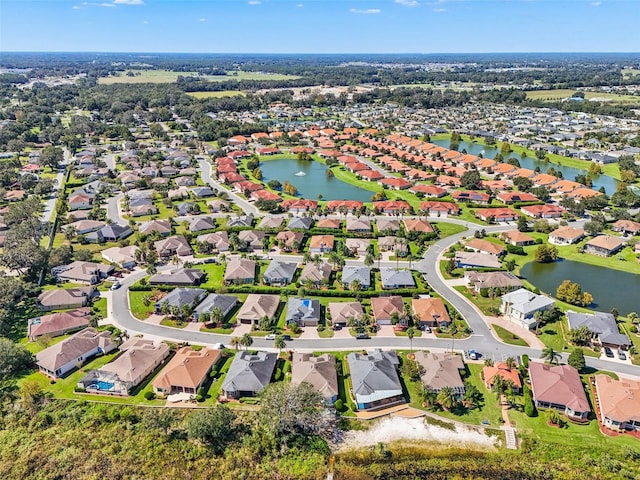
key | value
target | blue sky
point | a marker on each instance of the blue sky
(320, 26)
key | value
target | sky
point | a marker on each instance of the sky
(320, 26)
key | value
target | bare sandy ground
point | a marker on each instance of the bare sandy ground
(392, 429)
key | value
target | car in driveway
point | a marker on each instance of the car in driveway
(115, 286)
(271, 336)
(622, 355)
(608, 352)
(362, 336)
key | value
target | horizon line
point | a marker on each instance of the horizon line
(314, 53)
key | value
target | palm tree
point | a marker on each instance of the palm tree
(498, 385)
(429, 398)
(510, 362)
(550, 355)
(216, 316)
(236, 342)
(368, 259)
(279, 343)
(246, 341)
(447, 398)
(306, 258)
(411, 332)
(316, 259)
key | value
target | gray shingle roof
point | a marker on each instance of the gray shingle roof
(351, 273)
(601, 324)
(374, 375)
(278, 270)
(182, 296)
(392, 278)
(249, 372)
(301, 309)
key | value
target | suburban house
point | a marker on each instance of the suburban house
(543, 211)
(476, 260)
(111, 232)
(200, 224)
(219, 241)
(440, 208)
(179, 298)
(357, 246)
(604, 245)
(329, 223)
(249, 374)
(513, 197)
(603, 327)
(268, 223)
(172, 246)
(430, 312)
(566, 236)
(225, 303)
(290, 241)
(279, 273)
(388, 225)
(80, 201)
(318, 275)
(618, 403)
(484, 246)
(505, 281)
(186, 372)
(240, 270)
(358, 225)
(396, 245)
(163, 227)
(374, 379)
(57, 324)
(82, 227)
(626, 227)
(517, 239)
(301, 223)
(497, 214)
(61, 358)
(559, 387)
(253, 238)
(385, 308)
(63, 298)
(342, 312)
(303, 311)
(138, 360)
(88, 273)
(362, 275)
(183, 277)
(417, 225)
(441, 370)
(240, 221)
(319, 372)
(321, 244)
(123, 256)
(257, 306)
(521, 305)
(500, 369)
(393, 278)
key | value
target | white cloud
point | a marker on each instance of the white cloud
(128, 2)
(94, 4)
(202, 19)
(146, 22)
(439, 10)
(300, 5)
(595, 4)
(407, 3)
(368, 11)
(254, 2)
(75, 7)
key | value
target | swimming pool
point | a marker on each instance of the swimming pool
(101, 385)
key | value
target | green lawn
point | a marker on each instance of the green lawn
(216, 386)
(168, 76)
(489, 410)
(39, 345)
(560, 94)
(101, 305)
(215, 275)
(169, 322)
(221, 94)
(447, 229)
(138, 308)
(483, 303)
(507, 337)
(64, 388)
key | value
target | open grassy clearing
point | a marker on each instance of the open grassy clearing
(167, 76)
(222, 94)
(560, 94)
(507, 337)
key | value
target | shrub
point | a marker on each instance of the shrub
(79, 389)
(287, 367)
(525, 360)
(213, 373)
(338, 405)
(352, 406)
(149, 395)
(633, 329)
(201, 392)
(199, 398)
(143, 282)
(529, 407)
(278, 374)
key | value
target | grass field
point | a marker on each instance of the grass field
(630, 72)
(167, 76)
(560, 94)
(138, 308)
(507, 337)
(223, 93)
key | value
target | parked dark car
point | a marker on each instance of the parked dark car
(362, 336)
(608, 352)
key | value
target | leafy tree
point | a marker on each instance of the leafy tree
(410, 369)
(529, 406)
(524, 184)
(473, 397)
(572, 293)
(576, 359)
(523, 225)
(236, 342)
(546, 254)
(593, 227)
(51, 157)
(274, 184)
(289, 410)
(470, 180)
(213, 427)
(14, 358)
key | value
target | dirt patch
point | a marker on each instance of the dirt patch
(414, 429)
